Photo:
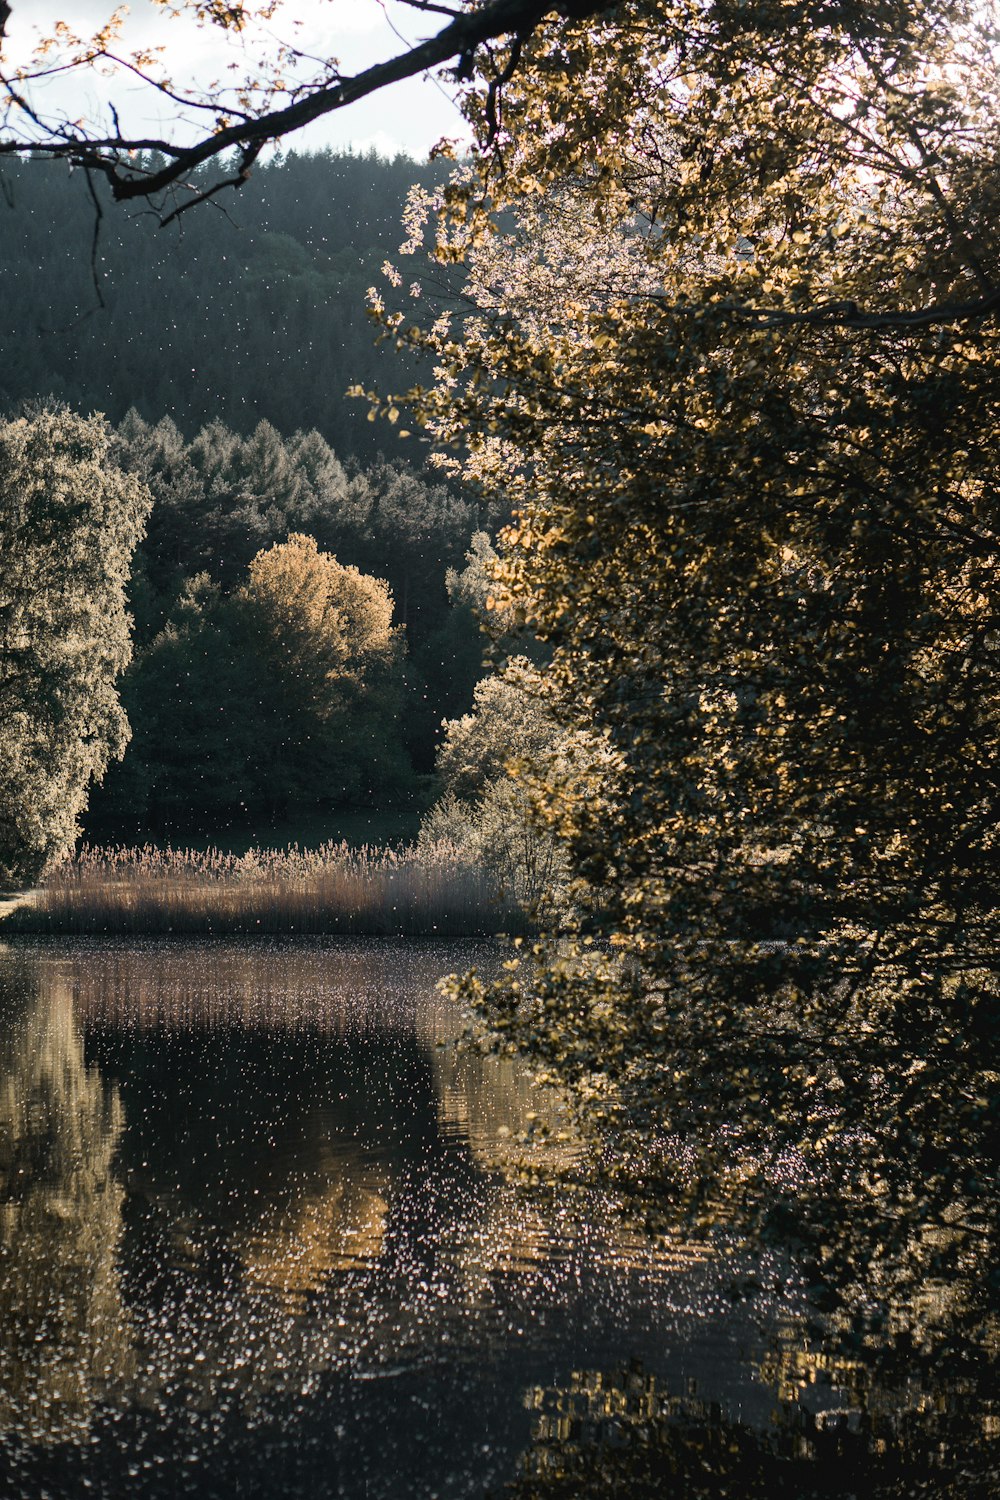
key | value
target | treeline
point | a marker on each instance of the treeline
(253, 313)
(296, 642)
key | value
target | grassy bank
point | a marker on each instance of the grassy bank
(332, 889)
(306, 828)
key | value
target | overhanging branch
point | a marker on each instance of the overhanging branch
(850, 315)
(514, 20)
(840, 314)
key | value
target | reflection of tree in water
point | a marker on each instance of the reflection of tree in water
(511, 1124)
(523, 1135)
(888, 1203)
(316, 1187)
(311, 1175)
(64, 1341)
(835, 1432)
(337, 1227)
(284, 1111)
(883, 1386)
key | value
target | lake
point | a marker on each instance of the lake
(265, 1231)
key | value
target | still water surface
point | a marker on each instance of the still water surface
(259, 1236)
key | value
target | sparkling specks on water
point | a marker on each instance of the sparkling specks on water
(259, 1236)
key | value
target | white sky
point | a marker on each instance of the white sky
(408, 117)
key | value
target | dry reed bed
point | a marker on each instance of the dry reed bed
(332, 889)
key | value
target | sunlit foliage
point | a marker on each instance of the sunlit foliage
(730, 351)
(491, 766)
(316, 612)
(69, 523)
(285, 691)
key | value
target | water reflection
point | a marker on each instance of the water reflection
(261, 1232)
(338, 1227)
(65, 1342)
(626, 1432)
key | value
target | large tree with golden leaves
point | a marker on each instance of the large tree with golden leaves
(729, 345)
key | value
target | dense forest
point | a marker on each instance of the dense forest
(248, 312)
(237, 421)
(248, 694)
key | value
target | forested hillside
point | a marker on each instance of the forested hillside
(222, 346)
(254, 310)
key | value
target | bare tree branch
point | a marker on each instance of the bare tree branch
(96, 239)
(511, 20)
(426, 5)
(247, 159)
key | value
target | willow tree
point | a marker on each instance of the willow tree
(69, 524)
(729, 346)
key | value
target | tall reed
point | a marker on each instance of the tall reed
(331, 889)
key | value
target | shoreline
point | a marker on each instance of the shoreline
(333, 891)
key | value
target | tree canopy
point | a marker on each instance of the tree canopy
(69, 523)
(730, 348)
(284, 691)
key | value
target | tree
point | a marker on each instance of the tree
(729, 348)
(69, 522)
(284, 692)
(492, 765)
(509, 724)
(195, 697)
(220, 500)
(404, 520)
(332, 664)
(472, 589)
(254, 491)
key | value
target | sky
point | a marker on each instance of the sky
(408, 117)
